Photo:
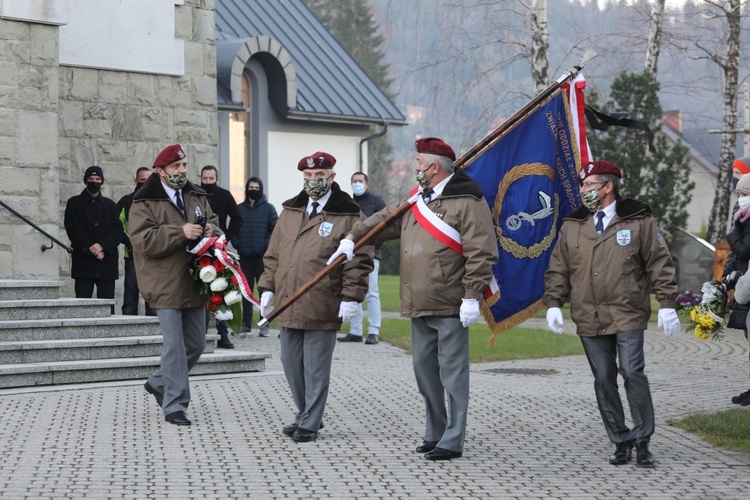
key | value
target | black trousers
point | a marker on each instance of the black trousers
(105, 289)
(252, 268)
(130, 293)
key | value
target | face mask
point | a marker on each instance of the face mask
(358, 188)
(422, 179)
(591, 200)
(316, 188)
(253, 194)
(735, 180)
(139, 185)
(744, 201)
(209, 188)
(93, 187)
(176, 181)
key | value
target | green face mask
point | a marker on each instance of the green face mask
(316, 188)
(176, 181)
(591, 200)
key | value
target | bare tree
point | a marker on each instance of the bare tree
(540, 44)
(727, 57)
(654, 37)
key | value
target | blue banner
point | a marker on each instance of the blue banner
(529, 178)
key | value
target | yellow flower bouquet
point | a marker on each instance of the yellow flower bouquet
(707, 318)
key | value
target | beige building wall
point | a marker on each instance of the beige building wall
(55, 121)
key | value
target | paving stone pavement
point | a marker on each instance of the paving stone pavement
(529, 436)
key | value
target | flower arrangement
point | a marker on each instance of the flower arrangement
(707, 317)
(688, 299)
(219, 278)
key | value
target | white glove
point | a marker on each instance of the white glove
(669, 321)
(347, 311)
(554, 318)
(469, 312)
(346, 247)
(265, 303)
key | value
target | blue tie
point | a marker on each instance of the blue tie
(599, 224)
(178, 200)
(427, 194)
(314, 210)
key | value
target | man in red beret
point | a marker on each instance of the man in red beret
(608, 257)
(440, 286)
(307, 232)
(162, 227)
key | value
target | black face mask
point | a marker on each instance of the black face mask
(139, 185)
(253, 194)
(93, 187)
(209, 188)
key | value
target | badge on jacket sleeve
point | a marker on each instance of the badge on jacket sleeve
(325, 229)
(623, 237)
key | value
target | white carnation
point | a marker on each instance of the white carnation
(219, 284)
(207, 274)
(223, 315)
(232, 297)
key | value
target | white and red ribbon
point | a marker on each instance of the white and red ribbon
(219, 245)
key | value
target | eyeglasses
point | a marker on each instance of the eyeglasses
(591, 183)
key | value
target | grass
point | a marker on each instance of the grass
(517, 343)
(729, 429)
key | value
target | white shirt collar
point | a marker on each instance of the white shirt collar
(170, 192)
(609, 213)
(321, 202)
(438, 189)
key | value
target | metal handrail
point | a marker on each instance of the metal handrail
(45, 233)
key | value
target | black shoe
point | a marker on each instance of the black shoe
(224, 343)
(745, 401)
(738, 399)
(643, 457)
(426, 447)
(159, 397)
(442, 454)
(623, 453)
(177, 418)
(289, 429)
(372, 339)
(350, 338)
(304, 436)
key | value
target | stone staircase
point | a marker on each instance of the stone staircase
(48, 340)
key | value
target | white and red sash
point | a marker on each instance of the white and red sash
(445, 234)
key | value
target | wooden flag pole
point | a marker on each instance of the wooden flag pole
(569, 74)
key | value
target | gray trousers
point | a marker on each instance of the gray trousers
(603, 352)
(440, 347)
(184, 333)
(306, 356)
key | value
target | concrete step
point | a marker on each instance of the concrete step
(100, 370)
(47, 351)
(29, 289)
(78, 328)
(54, 308)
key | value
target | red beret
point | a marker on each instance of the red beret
(742, 164)
(317, 160)
(170, 154)
(599, 167)
(434, 146)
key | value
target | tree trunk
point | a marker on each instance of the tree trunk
(539, 45)
(654, 37)
(717, 222)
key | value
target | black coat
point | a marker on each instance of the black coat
(90, 220)
(223, 204)
(255, 234)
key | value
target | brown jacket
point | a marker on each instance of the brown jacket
(160, 246)
(433, 277)
(299, 249)
(608, 279)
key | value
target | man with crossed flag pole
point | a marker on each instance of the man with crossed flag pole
(448, 250)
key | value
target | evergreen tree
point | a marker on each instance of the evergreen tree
(659, 178)
(353, 25)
